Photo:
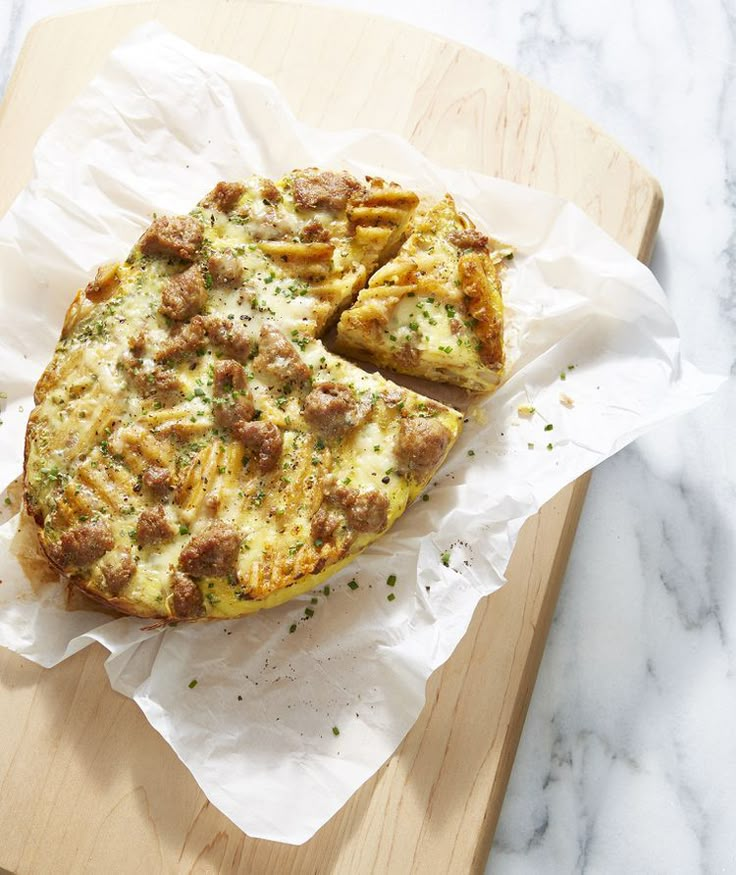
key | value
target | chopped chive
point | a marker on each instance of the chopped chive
(353, 584)
(548, 427)
(391, 581)
(471, 452)
(391, 596)
(445, 557)
(425, 497)
(308, 612)
(335, 730)
(313, 601)
(550, 447)
(292, 628)
(193, 683)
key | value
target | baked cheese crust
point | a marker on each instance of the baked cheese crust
(196, 451)
(435, 310)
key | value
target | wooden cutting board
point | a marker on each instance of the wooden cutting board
(86, 785)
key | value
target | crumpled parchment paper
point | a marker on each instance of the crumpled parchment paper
(154, 132)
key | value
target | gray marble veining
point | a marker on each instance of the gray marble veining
(628, 758)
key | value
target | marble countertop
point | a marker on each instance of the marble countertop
(627, 761)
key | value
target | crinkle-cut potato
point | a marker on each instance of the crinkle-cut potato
(435, 310)
(196, 451)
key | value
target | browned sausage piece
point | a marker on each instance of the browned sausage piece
(137, 344)
(153, 526)
(366, 511)
(328, 190)
(158, 480)
(184, 294)
(149, 381)
(84, 544)
(314, 232)
(265, 439)
(159, 382)
(213, 552)
(279, 358)
(324, 524)
(224, 196)
(229, 336)
(468, 238)
(117, 576)
(188, 601)
(269, 192)
(333, 409)
(421, 445)
(225, 269)
(189, 338)
(173, 237)
(232, 403)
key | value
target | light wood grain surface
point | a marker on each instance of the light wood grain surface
(86, 785)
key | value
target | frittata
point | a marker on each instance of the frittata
(196, 451)
(436, 309)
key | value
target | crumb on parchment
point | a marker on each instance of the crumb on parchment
(566, 401)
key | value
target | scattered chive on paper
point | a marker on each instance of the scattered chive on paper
(445, 558)
(308, 612)
(193, 683)
(391, 596)
(548, 427)
(550, 447)
(353, 584)
(391, 580)
(335, 730)
(292, 628)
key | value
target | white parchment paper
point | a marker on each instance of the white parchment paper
(154, 132)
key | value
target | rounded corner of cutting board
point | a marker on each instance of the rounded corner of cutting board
(459, 106)
(433, 807)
